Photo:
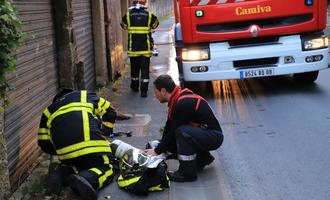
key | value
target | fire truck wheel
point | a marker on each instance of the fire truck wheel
(307, 77)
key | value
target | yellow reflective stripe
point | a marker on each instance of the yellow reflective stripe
(87, 136)
(104, 108)
(124, 183)
(47, 113)
(139, 53)
(96, 171)
(83, 99)
(148, 37)
(103, 178)
(128, 19)
(44, 137)
(139, 28)
(87, 107)
(108, 124)
(149, 20)
(130, 35)
(106, 159)
(99, 105)
(83, 96)
(140, 32)
(43, 130)
(84, 152)
(80, 145)
(155, 188)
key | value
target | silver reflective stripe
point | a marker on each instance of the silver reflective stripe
(145, 80)
(222, 1)
(203, 2)
(187, 157)
(135, 79)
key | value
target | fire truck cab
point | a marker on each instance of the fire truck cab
(235, 39)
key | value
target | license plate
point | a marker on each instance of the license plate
(256, 73)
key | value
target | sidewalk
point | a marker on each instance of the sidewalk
(149, 114)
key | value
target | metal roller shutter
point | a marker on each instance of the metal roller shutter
(36, 82)
(82, 25)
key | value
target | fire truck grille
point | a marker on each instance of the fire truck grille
(262, 23)
(255, 63)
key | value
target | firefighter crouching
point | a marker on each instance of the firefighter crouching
(191, 129)
(139, 22)
(70, 129)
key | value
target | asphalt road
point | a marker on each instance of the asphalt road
(277, 138)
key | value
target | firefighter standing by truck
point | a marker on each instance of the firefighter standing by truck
(139, 22)
(191, 129)
(70, 128)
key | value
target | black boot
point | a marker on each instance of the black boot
(144, 94)
(55, 180)
(204, 159)
(82, 187)
(187, 172)
(135, 85)
(144, 88)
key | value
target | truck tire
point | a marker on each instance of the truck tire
(306, 77)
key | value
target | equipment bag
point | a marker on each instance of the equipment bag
(144, 181)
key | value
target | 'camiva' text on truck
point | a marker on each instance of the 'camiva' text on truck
(234, 39)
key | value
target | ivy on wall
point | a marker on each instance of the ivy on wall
(10, 34)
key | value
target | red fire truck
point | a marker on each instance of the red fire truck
(235, 39)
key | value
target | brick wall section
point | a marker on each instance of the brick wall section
(4, 173)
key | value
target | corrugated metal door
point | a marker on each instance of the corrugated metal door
(36, 82)
(82, 25)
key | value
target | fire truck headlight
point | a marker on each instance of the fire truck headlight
(316, 43)
(195, 54)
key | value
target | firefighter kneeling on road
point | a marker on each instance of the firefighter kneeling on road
(191, 129)
(70, 128)
(139, 22)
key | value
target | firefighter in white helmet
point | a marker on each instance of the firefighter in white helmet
(139, 22)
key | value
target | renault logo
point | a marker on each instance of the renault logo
(254, 30)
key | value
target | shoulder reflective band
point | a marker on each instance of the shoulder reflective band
(78, 106)
(47, 113)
